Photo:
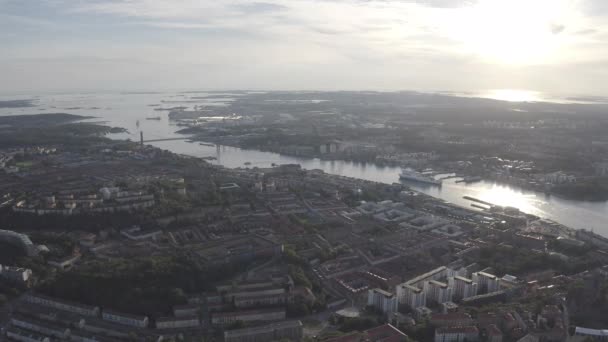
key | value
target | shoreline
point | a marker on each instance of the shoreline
(497, 180)
(571, 230)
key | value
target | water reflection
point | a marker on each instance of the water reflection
(123, 110)
(577, 214)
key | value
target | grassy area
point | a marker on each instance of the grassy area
(311, 323)
(24, 164)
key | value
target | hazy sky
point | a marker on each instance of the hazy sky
(545, 45)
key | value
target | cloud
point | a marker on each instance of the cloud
(425, 3)
(260, 7)
(294, 43)
(445, 3)
(557, 28)
(595, 7)
(585, 32)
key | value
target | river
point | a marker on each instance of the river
(131, 110)
(576, 214)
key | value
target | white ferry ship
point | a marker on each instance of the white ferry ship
(411, 175)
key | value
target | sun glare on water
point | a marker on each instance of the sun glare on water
(513, 95)
(505, 196)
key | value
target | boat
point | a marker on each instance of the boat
(470, 179)
(411, 175)
(247, 163)
(153, 118)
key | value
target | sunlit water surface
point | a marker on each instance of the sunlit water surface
(125, 110)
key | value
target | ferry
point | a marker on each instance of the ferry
(411, 175)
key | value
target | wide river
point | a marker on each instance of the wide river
(131, 110)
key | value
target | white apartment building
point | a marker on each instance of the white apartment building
(15, 274)
(39, 326)
(382, 300)
(21, 335)
(457, 334)
(177, 322)
(265, 315)
(486, 282)
(437, 291)
(85, 310)
(125, 319)
(462, 287)
(411, 296)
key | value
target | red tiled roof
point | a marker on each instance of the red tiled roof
(464, 330)
(385, 333)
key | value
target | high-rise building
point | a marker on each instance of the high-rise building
(462, 287)
(486, 282)
(437, 291)
(411, 296)
(382, 300)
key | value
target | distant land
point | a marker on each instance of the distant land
(40, 120)
(17, 103)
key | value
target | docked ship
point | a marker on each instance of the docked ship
(411, 175)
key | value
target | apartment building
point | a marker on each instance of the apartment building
(125, 318)
(382, 300)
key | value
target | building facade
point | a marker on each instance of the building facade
(486, 283)
(291, 330)
(437, 291)
(457, 334)
(412, 296)
(382, 300)
(177, 322)
(85, 310)
(125, 319)
(224, 318)
(462, 287)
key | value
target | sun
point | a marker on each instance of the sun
(513, 31)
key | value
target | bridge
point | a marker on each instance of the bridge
(142, 141)
(164, 139)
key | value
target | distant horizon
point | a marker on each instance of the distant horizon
(498, 94)
(552, 46)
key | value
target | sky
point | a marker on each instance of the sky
(553, 46)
